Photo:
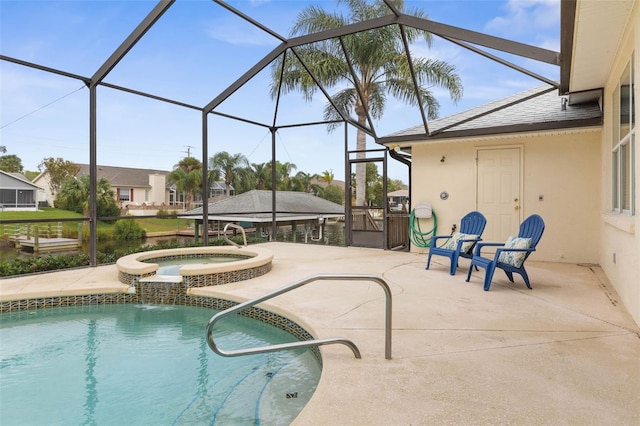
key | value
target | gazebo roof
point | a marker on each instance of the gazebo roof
(256, 206)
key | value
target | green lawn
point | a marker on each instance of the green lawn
(71, 228)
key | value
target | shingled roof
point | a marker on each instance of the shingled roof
(255, 206)
(9, 180)
(536, 109)
(123, 176)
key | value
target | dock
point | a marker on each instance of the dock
(45, 244)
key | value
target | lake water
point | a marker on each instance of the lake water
(333, 235)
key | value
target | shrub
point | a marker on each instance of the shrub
(41, 264)
(125, 229)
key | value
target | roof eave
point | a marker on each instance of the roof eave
(498, 130)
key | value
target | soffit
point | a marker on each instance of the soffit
(599, 26)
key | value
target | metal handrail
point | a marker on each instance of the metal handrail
(233, 225)
(306, 343)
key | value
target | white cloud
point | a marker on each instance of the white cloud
(525, 17)
(239, 35)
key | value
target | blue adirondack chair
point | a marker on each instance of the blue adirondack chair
(510, 257)
(459, 244)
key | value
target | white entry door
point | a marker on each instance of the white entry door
(498, 191)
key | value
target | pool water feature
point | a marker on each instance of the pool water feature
(146, 364)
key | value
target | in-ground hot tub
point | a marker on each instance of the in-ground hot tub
(140, 267)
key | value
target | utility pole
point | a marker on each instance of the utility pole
(188, 151)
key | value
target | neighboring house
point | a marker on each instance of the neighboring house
(573, 159)
(131, 186)
(219, 189)
(397, 200)
(16, 192)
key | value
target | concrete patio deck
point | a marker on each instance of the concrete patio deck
(565, 353)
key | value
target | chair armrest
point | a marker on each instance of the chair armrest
(436, 238)
(479, 246)
(466, 240)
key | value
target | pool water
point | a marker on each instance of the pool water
(172, 267)
(146, 365)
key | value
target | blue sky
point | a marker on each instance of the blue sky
(194, 52)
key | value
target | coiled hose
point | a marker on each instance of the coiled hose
(417, 237)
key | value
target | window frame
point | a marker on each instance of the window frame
(124, 195)
(623, 167)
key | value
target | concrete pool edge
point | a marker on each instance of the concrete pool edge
(256, 262)
(136, 264)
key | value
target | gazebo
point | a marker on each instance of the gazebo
(253, 209)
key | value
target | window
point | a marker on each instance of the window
(623, 144)
(124, 194)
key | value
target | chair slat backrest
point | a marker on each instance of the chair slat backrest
(473, 223)
(532, 227)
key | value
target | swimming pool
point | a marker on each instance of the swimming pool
(146, 364)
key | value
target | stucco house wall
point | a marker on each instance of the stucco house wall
(563, 167)
(143, 186)
(572, 169)
(44, 193)
(620, 241)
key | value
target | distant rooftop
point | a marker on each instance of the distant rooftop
(122, 176)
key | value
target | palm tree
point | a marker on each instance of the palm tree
(379, 60)
(226, 166)
(187, 176)
(284, 172)
(303, 181)
(327, 176)
(261, 172)
(74, 196)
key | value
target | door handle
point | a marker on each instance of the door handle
(516, 207)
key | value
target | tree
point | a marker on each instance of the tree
(395, 185)
(187, 176)
(74, 196)
(373, 180)
(377, 57)
(226, 166)
(284, 174)
(11, 163)
(333, 193)
(3, 149)
(261, 172)
(327, 177)
(302, 182)
(59, 170)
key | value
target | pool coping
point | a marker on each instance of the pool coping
(135, 264)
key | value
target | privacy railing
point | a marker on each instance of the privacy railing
(305, 343)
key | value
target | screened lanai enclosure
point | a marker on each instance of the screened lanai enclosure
(288, 82)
